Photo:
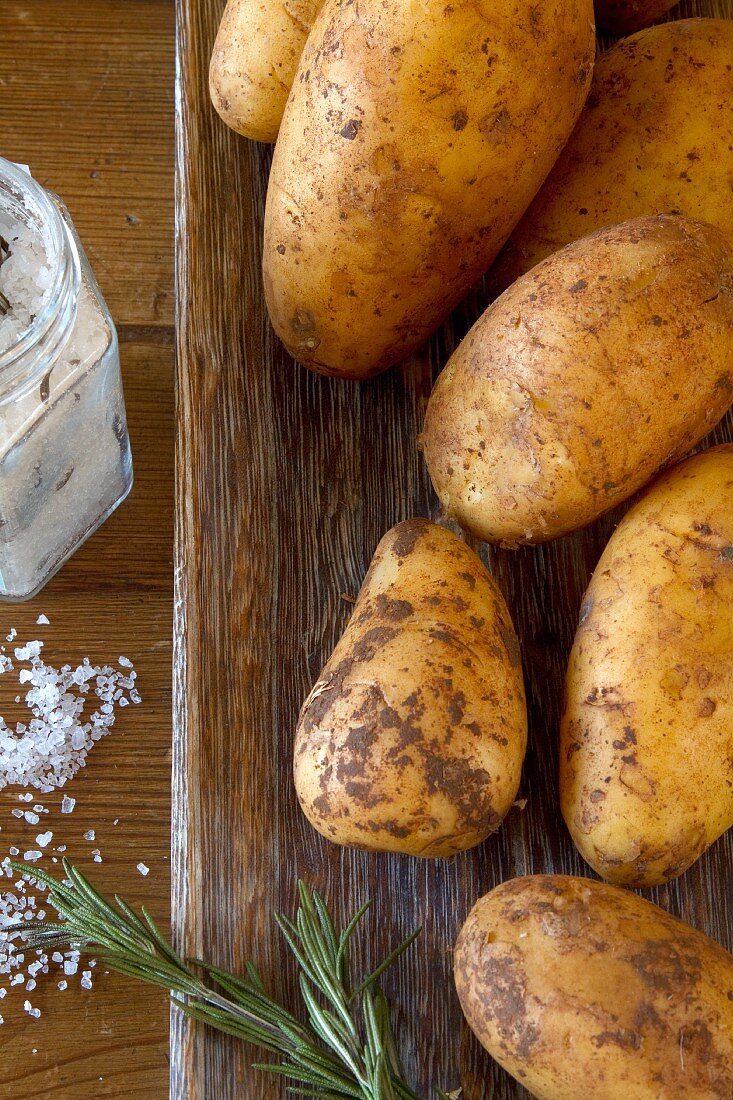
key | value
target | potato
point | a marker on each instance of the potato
(254, 61)
(583, 991)
(414, 138)
(627, 16)
(573, 389)
(647, 736)
(656, 136)
(413, 738)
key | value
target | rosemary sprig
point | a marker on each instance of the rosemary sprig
(345, 1051)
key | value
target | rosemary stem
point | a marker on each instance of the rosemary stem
(345, 1050)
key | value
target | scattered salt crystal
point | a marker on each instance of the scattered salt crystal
(43, 839)
(26, 797)
(57, 957)
(63, 985)
(31, 818)
(86, 979)
(96, 855)
(32, 856)
(12, 635)
(42, 621)
(30, 985)
(90, 834)
(61, 848)
(48, 750)
(16, 812)
(67, 804)
(70, 967)
(125, 662)
(143, 869)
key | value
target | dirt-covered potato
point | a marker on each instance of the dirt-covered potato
(413, 738)
(604, 363)
(646, 773)
(415, 137)
(254, 60)
(583, 991)
(627, 16)
(656, 136)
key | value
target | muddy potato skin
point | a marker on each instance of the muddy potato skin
(582, 990)
(254, 61)
(415, 137)
(646, 753)
(626, 16)
(573, 389)
(656, 136)
(413, 738)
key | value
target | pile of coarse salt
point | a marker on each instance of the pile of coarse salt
(44, 753)
(25, 278)
(53, 745)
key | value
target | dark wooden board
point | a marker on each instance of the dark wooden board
(285, 483)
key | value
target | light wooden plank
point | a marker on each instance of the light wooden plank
(113, 597)
(86, 99)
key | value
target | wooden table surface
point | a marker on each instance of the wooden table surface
(86, 99)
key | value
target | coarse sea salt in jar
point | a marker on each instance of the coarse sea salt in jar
(65, 459)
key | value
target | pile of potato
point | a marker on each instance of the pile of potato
(419, 147)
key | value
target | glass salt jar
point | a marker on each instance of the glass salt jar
(65, 460)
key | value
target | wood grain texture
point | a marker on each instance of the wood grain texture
(113, 597)
(86, 98)
(285, 483)
(88, 88)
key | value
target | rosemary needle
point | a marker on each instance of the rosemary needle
(345, 1051)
